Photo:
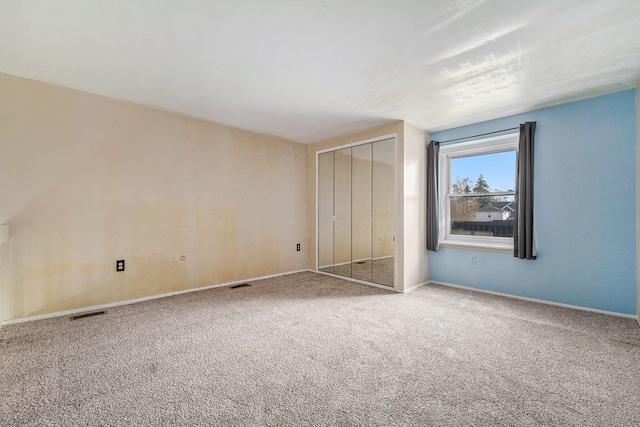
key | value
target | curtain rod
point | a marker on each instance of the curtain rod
(475, 136)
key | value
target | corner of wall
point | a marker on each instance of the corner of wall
(75, 208)
(4, 233)
(416, 256)
(4, 237)
(637, 200)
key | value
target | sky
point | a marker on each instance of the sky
(498, 169)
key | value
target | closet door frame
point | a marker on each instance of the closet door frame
(393, 136)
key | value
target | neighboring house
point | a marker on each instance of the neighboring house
(494, 211)
(505, 206)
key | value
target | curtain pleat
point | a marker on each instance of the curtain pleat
(524, 236)
(433, 151)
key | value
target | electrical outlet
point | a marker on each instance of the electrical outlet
(298, 247)
(120, 265)
(473, 260)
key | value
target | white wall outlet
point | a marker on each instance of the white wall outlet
(473, 260)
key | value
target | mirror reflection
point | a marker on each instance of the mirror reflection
(362, 213)
(342, 212)
(325, 211)
(356, 212)
(383, 211)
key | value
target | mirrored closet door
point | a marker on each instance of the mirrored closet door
(356, 211)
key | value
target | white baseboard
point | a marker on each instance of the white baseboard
(413, 288)
(351, 279)
(541, 301)
(375, 285)
(133, 301)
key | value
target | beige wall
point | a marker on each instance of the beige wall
(638, 201)
(86, 180)
(4, 237)
(416, 256)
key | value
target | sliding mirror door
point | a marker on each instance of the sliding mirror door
(383, 211)
(361, 215)
(342, 212)
(325, 212)
(356, 211)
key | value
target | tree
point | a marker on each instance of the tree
(462, 208)
(461, 186)
(482, 187)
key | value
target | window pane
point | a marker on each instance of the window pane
(483, 173)
(482, 215)
(477, 192)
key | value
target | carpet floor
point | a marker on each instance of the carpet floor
(309, 349)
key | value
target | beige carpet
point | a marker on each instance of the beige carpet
(309, 349)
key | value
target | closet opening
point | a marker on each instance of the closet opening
(356, 211)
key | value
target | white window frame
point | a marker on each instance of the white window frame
(475, 147)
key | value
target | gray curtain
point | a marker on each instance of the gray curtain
(433, 151)
(524, 242)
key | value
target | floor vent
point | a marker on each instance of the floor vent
(90, 314)
(239, 286)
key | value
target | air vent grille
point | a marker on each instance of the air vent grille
(89, 314)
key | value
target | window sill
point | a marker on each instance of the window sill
(477, 247)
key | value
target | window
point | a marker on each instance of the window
(477, 193)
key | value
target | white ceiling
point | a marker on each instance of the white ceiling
(306, 70)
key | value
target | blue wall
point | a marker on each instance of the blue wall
(584, 210)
